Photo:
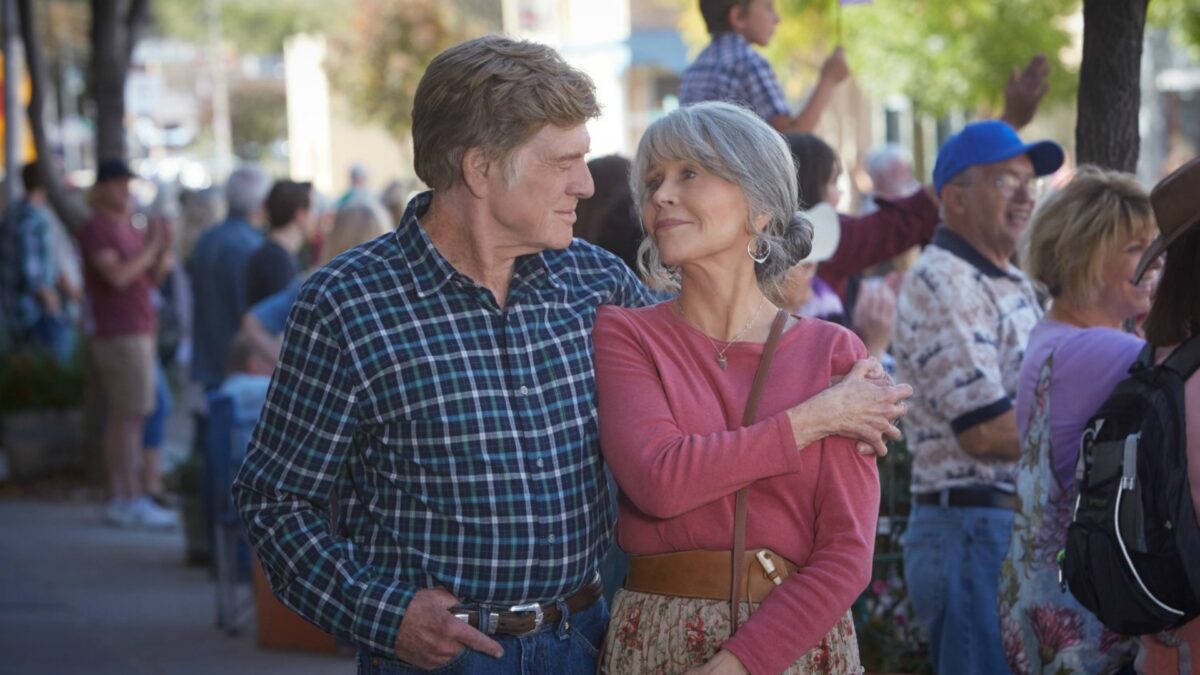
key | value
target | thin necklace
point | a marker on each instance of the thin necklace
(721, 360)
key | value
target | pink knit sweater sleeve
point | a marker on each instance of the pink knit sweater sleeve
(663, 471)
(795, 617)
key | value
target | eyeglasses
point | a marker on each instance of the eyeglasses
(1008, 183)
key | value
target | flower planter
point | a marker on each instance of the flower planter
(41, 440)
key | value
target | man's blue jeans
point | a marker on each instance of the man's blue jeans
(569, 648)
(952, 559)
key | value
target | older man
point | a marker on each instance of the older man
(439, 381)
(962, 321)
(218, 273)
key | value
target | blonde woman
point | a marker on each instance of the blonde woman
(1082, 247)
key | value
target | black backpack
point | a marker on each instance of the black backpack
(1133, 547)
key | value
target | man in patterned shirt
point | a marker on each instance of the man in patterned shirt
(962, 321)
(439, 382)
(730, 70)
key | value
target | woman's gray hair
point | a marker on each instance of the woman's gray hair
(733, 144)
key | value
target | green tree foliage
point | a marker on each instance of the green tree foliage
(252, 26)
(258, 117)
(942, 54)
(1182, 18)
(380, 60)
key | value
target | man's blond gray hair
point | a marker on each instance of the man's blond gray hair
(494, 94)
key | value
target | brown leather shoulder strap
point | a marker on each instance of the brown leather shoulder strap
(739, 500)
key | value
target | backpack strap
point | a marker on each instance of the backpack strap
(1185, 359)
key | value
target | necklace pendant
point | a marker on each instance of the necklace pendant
(721, 361)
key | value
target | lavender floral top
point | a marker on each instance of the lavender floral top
(1088, 363)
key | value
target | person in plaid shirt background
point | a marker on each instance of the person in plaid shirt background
(439, 381)
(730, 70)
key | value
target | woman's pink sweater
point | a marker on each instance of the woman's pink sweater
(666, 410)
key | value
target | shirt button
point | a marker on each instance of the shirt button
(540, 463)
(550, 539)
(524, 390)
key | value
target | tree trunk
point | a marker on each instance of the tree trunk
(68, 206)
(113, 39)
(1106, 132)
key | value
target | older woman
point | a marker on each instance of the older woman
(718, 197)
(1082, 247)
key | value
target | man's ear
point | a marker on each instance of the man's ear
(954, 198)
(737, 14)
(475, 168)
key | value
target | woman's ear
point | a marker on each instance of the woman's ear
(759, 223)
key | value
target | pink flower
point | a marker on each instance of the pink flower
(697, 634)
(1051, 537)
(1056, 629)
(879, 587)
(1014, 647)
(628, 633)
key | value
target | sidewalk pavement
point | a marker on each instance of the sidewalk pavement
(79, 596)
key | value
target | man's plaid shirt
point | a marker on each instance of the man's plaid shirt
(460, 439)
(730, 70)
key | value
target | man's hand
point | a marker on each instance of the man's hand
(430, 636)
(834, 69)
(1024, 91)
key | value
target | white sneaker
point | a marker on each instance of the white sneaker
(151, 515)
(121, 513)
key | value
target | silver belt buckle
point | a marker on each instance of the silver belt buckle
(538, 615)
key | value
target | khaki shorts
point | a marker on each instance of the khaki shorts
(125, 367)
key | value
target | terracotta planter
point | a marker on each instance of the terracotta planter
(39, 441)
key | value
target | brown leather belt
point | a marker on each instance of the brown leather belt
(528, 618)
(704, 574)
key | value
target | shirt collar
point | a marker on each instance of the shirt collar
(431, 271)
(731, 38)
(947, 239)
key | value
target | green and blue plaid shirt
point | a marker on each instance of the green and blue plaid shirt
(460, 438)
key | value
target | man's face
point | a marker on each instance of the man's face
(537, 210)
(756, 22)
(113, 195)
(993, 205)
(896, 180)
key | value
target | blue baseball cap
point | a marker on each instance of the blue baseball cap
(988, 142)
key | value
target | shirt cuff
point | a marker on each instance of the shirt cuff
(978, 416)
(787, 441)
(378, 613)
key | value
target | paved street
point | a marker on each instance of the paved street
(77, 596)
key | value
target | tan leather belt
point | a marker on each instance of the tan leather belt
(530, 618)
(704, 574)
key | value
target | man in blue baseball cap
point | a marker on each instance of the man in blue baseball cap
(962, 321)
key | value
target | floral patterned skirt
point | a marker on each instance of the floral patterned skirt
(653, 634)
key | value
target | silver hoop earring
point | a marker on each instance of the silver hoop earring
(758, 249)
